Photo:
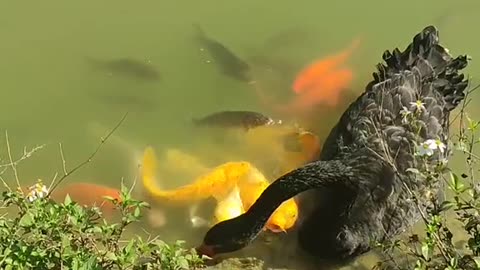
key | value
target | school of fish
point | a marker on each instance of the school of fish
(234, 185)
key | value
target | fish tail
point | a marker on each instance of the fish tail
(181, 195)
(149, 167)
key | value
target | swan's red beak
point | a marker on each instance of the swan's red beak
(205, 250)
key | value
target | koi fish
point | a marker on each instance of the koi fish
(320, 72)
(131, 67)
(223, 183)
(227, 62)
(322, 82)
(250, 190)
(217, 183)
(243, 119)
(231, 206)
(88, 194)
(289, 146)
(308, 150)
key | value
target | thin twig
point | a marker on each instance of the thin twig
(90, 158)
(13, 166)
(4, 182)
(26, 154)
(64, 163)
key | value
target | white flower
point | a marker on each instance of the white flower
(429, 146)
(417, 106)
(37, 191)
(425, 149)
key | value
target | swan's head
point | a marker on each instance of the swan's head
(229, 236)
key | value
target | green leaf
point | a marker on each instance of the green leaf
(67, 200)
(446, 205)
(27, 219)
(455, 183)
(111, 256)
(426, 251)
(182, 263)
(136, 213)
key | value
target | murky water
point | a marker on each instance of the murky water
(49, 93)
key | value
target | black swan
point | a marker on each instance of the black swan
(359, 186)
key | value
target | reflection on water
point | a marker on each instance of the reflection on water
(50, 95)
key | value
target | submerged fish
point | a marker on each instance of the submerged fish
(308, 149)
(235, 119)
(129, 67)
(223, 183)
(228, 63)
(90, 195)
(231, 206)
(323, 82)
(252, 186)
(318, 72)
(216, 183)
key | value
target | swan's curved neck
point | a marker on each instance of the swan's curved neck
(314, 175)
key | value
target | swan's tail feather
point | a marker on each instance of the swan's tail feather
(432, 61)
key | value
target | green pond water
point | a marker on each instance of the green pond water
(50, 94)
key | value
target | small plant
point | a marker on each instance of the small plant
(48, 235)
(435, 248)
(38, 233)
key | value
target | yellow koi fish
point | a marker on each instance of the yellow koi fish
(229, 207)
(218, 183)
(252, 187)
(234, 185)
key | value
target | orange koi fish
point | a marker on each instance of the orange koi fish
(322, 82)
(323, 72)
(88, 194)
